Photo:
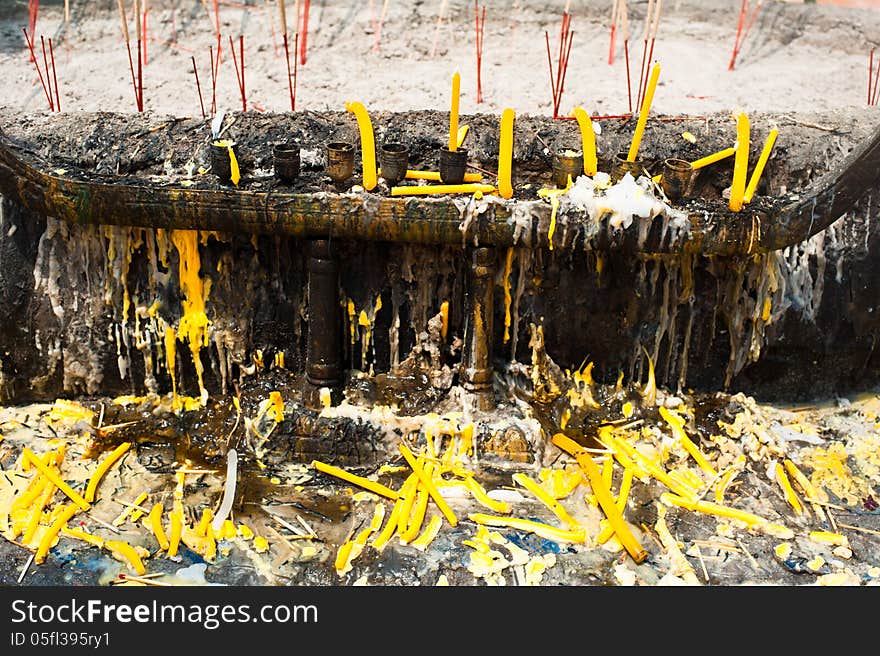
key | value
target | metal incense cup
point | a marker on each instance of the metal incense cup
(394, 161)
(286, 161)
(622, 166)
(221, 165)
(567, 162)
(340, 161)
(452, 166)
(678, 178)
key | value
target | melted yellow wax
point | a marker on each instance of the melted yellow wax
(194, 323)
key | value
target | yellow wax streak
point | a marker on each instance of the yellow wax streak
(429, 485)
(741, 163)
(234, 176)
(102, 469)
(170, 339)
(176, 528)
(547, 500)
(433, 190)
(787, 489)
(723, 483)
(368, 144)
(125, 512)
(759, 167)
(128, 552)
(553, 195)
(677, 424)
(156, 526)
(714, 157)
(505, 154)
(588, 141)
(60, 484)
(194, 322)
(453, 113)
(444, 314)
(544, 530)
(508, 265)
(93, 540)
(462, 133)
(434, 176)
(360, 481)
(603, 496)
(49, 536)
(428, 534)
(643, 114)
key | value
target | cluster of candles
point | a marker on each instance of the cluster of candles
(393, 158)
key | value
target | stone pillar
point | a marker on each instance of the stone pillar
(324, 351)
(477, 370)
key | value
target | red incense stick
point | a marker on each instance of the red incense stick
(37, 65)
(239, 71)
(305, 33)
(54, 77)
(198, 86)
(46, 66)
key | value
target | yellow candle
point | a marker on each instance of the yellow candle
(372, 486)
(538, 528)
(677, 424)
(176, 528)
(714, 157)
(453, 113)
(429, 485)
(482, 497)
(102, 469)
(713, 509)
(37, 514)
(368, 144)
(505, 154)
(828, 537)
(434, 176)
(94, 540)
(436, 190)
(128, 508)
(759, 167)
(741, 163)
(156, 526)
(52, 476)
(462, 133)
(126, 551)
(643, 114)
(788, 490)
(421, 543)
(49, 536)
(603, 496)
(547, 500)
(417, 514)
(588, 141)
